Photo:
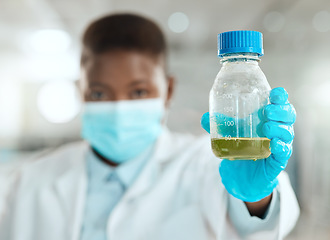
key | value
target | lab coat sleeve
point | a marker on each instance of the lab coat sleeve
(289, 207)
(228, 217)
(252, 226)
(279, 219)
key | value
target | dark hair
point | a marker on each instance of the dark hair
(123, 31)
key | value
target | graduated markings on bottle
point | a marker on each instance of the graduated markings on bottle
(228, 123)
(228, 110)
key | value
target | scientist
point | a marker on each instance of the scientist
(134, 179)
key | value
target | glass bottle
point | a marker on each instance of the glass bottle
(237, 98)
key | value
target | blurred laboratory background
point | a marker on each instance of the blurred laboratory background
(39, 70)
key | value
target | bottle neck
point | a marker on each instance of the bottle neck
(252, 58)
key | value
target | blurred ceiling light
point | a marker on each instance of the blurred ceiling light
(322, 96)
(59, 102)
(178, 22)
(321, 21)
(274, 21)
(49, 41)
(62, 67)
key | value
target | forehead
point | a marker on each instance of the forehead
(122, 63)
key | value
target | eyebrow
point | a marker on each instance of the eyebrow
(93, 84)
(138, 82)
(135, 82)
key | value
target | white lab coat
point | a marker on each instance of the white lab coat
(178, 195)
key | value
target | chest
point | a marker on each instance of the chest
(166, 211)
(169, 209)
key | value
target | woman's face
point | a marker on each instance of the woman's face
(125, 75)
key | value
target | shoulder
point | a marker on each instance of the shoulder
(61, 157)
(192, 162)
(195, 145)
(181, 143)
(187, 149)
(49, 166)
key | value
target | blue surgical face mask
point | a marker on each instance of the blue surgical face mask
(122, 130)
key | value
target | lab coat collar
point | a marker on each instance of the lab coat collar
(150, 172)
(128, 171)
(99, 172)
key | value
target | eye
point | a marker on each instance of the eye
(140, 93)
(97, 95)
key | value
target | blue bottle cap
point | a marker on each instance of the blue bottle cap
(240, 42)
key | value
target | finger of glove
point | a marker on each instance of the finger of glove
(280, 150)
(280, 113)
(205, 122)
(278, 96)
(273, 167)
(282, 131)
(278, 160)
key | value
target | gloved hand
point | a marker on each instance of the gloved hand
(250, 180)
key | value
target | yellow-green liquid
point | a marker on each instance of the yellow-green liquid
(241, 148)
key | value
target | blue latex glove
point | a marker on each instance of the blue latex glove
(250, 180)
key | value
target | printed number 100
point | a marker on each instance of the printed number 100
(229, 123)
